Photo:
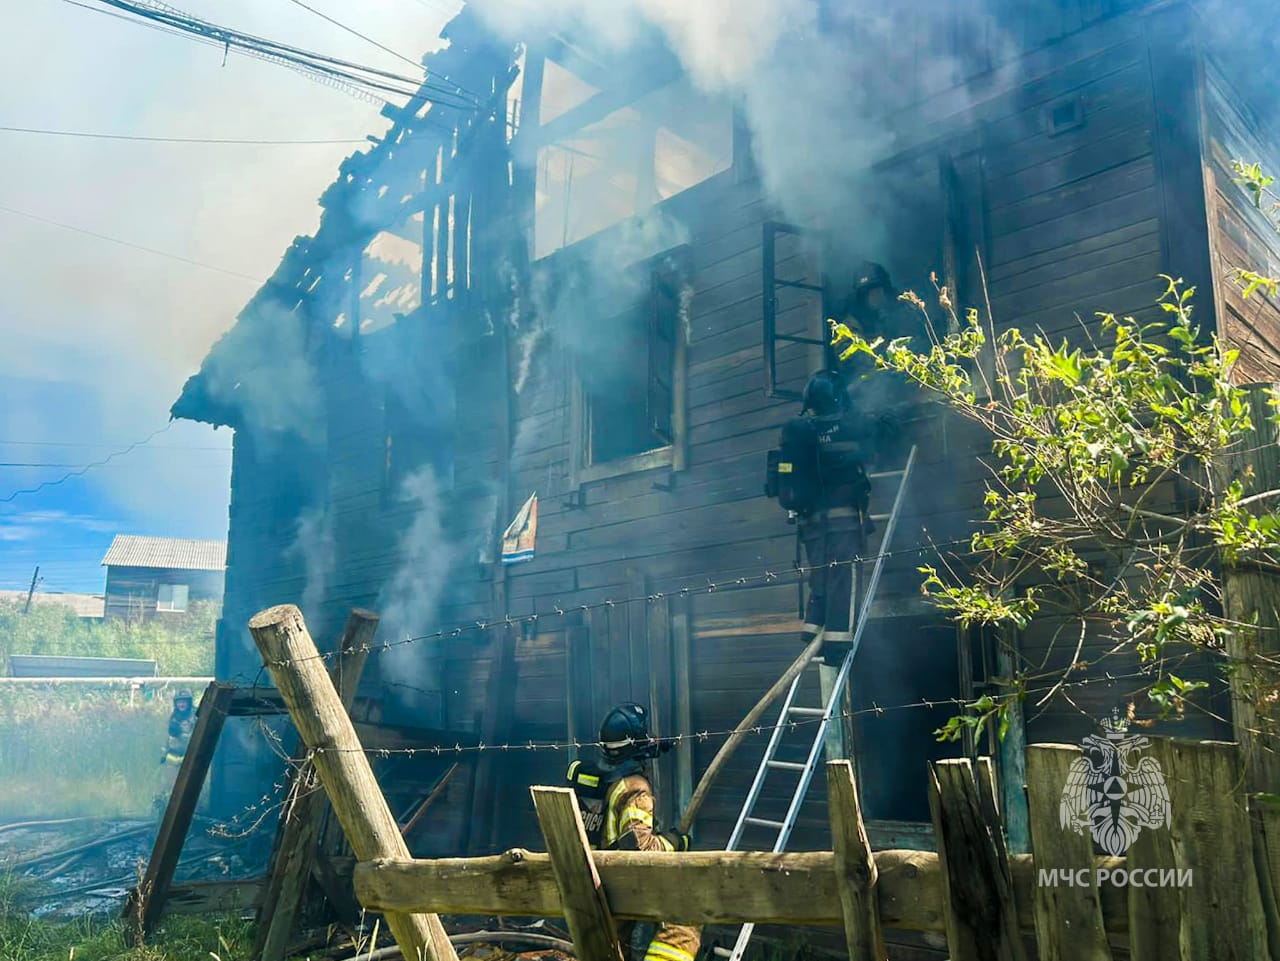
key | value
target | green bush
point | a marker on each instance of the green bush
(181, 644)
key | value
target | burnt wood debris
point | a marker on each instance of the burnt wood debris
(502, 426)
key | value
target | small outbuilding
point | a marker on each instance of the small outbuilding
(147, 576)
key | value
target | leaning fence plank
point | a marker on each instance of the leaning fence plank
(1266, 858)
(317, 712)
(1221, 911)
(1068, 914)
(300, 830)
(981, 916)
(1153, 910)
(855, 866)
(146, 902)
(591, 925)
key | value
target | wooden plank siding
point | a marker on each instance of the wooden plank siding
(1241, 236)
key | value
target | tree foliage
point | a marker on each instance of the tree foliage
(1111, 502)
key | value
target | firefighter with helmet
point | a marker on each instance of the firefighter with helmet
(872, 308)
(818, 477)
(182, 722)
(617, 804)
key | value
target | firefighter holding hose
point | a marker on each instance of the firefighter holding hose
(617, 805)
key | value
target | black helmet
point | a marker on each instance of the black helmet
(870, 277)
(625, 733)
(183, 695)
(825, 393)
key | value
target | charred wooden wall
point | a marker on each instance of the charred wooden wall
(1065, 172)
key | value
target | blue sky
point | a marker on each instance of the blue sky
(96, 338)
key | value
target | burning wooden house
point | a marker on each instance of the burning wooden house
(599, 274)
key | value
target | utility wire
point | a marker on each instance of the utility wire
(60, 443)
(356, 33)
(127, 243)
(194, 140)
(87, 467)
(12, 465)
(344, 73)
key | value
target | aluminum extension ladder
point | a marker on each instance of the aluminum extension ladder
(791, 711)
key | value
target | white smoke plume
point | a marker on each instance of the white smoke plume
(409, 602)
(314, 547)
(813, 80)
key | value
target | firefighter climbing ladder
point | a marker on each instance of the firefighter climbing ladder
(793, 712)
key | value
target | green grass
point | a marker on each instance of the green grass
(78, 749)
(91, 749)
(23, 938)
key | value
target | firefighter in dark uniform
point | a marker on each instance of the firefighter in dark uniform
(617, 810)
(182, 722)
(824, 449)
(884, 399)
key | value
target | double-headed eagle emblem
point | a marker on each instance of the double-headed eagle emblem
(1112, 792)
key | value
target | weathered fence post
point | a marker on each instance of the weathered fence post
(591, 925)
(327, 731)
(856, 874)
(1265, 821)
(1068, 915)
(300, 831)
(981, 917)
(1221, 911)
(1249, 597)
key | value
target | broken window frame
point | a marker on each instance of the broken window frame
(771, 285)
(672, 268)
(618, 88)
(966, 248)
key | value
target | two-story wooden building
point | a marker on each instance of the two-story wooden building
(588, 285)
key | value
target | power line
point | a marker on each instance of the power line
(356, 78)
(356, 33)
(87, 467)
(59, 443)
(50, 466)
(127, 243)
(192, 140)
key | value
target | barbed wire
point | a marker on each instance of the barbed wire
(675, 740)
(259, 811)
(557, 611)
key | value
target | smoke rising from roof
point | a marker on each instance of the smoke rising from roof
(812, 80)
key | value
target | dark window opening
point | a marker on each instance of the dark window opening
(415, 437)
(630, 404)
(1065, 115)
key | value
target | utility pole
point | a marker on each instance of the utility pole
(35, 578)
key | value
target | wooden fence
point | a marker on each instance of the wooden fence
(1201, 887)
